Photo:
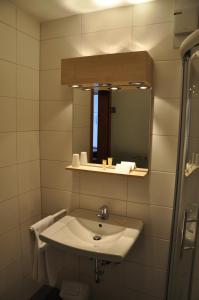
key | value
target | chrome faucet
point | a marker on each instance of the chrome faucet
(103, 214)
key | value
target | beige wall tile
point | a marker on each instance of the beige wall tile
(29, 176)
(164, 153)
(55, 200)
(130, 294)
(7, 149)
(81, 97)
(157, 39)
(8, 182)
(61, 27)
(8, 47)
(114, 187)
(27, 83)
(54, 175)
(10, 247)
(157, 188)
(7, 114)
(150, 252)
(153, 13)
(26, 23)
(166, 116)
(8, 13)
(27, 51)
(56, 115)
(9, 215)
(7, 79)
(157, 219)
(30, 205)
(27, 146)
(36, 116)
(58, 49)
(112, 18)
(147, 280)
(81, 116)
(11, 281)
(56, 145)
(167, 83)
(110, 41)
(81, 140)
(27, 115)
(51, 88)
(116, 207)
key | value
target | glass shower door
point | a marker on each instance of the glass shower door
(183, 281)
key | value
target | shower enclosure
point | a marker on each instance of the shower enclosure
(183, 279)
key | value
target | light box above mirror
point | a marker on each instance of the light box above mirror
(112, 101)
(115, 69)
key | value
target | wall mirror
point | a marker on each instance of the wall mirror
(113, 123)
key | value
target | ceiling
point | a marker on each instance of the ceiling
(54, 9)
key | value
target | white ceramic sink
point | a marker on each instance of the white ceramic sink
(77, 230)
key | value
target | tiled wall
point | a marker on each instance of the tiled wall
(20, 200)
(144, 27)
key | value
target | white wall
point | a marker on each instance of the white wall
(144, 27)
(20, 201)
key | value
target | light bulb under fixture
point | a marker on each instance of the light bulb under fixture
(87, 89)
(114, 88)
(143, 87)
(75, 86)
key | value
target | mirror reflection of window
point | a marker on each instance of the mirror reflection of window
(100, 125)
(95, 123)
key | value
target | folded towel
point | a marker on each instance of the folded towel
(39, 264)
(54, 264)
(129, 163)
(122, 169)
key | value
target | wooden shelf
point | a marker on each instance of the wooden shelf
(117, 68)
(138, 172)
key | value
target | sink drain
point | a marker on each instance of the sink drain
(97, 238)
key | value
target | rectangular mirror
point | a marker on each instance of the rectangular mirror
(115, 124)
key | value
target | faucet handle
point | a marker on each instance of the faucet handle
(104, 214)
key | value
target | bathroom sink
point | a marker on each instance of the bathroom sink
(85, 234)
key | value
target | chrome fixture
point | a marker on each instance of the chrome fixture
(103, 214)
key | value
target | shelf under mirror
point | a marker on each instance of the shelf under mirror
(97, 168)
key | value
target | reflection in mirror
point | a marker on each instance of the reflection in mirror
(113, 124)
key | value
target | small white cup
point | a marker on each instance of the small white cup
(83, 158)
(75, 161)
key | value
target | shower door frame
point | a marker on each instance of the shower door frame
(176, 229)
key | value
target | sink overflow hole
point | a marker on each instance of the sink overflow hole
(97, 237)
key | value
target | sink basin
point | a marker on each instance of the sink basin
(83, 233)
